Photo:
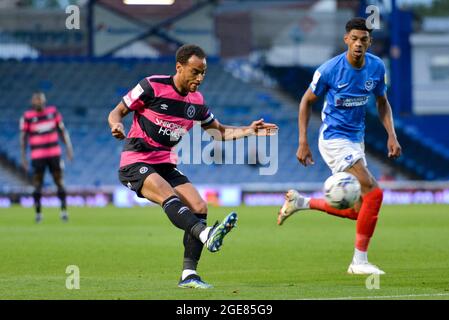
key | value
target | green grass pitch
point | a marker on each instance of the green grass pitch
(137, 254)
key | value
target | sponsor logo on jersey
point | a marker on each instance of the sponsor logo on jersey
(167, 128)
(351, 102)
(44, 127)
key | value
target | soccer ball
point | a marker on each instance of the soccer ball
(341, 190)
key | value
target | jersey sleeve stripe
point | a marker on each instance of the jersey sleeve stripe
(208, 120)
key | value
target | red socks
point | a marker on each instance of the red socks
(366, 222)
(320, 204)
(366, 217)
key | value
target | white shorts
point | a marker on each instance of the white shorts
(341, 154)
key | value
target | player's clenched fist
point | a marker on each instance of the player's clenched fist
(118, 131)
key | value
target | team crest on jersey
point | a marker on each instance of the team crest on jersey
(369, 84)
(143, 170)
(191, 111)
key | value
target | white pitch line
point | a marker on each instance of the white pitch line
(384, 297)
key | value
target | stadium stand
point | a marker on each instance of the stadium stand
(423, 127)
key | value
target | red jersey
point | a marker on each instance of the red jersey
(42, 130)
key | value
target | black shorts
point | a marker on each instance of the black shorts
(133, 175)
(54, 164)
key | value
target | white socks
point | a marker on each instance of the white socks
(186, 273)
(204, 234)
(302, 203)
(360, 256)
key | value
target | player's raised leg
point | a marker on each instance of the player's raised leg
(158, 190)
(294, 202)
(372, 197)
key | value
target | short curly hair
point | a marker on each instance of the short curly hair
(184, 53)
(357, 23)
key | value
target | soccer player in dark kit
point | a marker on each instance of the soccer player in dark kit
(165, 107)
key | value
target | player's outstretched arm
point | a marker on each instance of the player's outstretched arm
(303, 154)
(386, 117)
(115, 121)
(256, 128)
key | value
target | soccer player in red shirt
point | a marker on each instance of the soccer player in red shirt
(39, 127)
(166, 107)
